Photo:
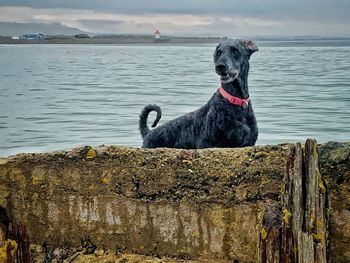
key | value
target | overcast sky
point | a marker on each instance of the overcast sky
(185, 17)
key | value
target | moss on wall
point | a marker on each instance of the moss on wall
(180, 203)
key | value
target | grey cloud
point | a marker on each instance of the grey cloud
(100, 25)
(314, 9)
(18, 29)
(100, 22)
(292, 16)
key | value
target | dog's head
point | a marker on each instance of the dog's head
(231, 58)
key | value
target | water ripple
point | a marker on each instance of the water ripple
(67, 98)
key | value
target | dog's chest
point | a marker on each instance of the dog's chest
(236, 127)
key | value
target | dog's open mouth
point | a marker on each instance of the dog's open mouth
(226, 77)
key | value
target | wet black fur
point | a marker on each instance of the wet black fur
(218, 123)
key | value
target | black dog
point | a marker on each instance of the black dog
(227, 120)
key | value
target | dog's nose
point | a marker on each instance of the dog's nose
(221, 69)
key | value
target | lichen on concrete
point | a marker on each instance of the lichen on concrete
(187, 204)
(335, 167)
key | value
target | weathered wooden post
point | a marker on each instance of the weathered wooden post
(299, 229)
(14, 241)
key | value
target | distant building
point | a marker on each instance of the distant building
(157, 34)
(33, 36)
(15, 37)
(82, 35)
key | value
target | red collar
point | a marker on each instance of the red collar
(234, 100)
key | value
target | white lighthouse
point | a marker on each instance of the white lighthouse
(157, 34)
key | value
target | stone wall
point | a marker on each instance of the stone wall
(192, 204)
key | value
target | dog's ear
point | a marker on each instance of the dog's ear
(250, 46)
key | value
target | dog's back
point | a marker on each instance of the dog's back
(177, 133)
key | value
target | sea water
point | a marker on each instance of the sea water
(55, 97)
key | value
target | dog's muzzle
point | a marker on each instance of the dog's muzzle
(225, 74)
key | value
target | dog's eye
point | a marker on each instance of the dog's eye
(233, 49)
(218, 53)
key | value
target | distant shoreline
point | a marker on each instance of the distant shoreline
(121, 40)
(150, 40)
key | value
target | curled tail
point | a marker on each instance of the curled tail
(143, 118)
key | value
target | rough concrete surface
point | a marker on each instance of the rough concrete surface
(201, 205)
